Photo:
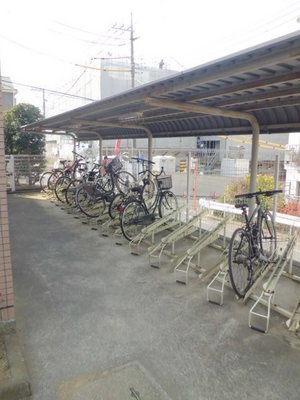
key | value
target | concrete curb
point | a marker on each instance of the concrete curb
(18, 386)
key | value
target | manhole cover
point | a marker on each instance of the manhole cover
(129, 382)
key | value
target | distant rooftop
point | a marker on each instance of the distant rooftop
(7, 85)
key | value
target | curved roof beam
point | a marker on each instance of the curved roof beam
(220, 112)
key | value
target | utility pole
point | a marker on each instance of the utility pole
(132, 63)
(132, 39)
(44, 103)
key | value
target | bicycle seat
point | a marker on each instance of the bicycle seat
(241, 205)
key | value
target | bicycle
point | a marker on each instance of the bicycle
(69, 173)
(48, 178)
(75, 184)
(137, 213)
(115, 178)
(255, 242)
(147, 191)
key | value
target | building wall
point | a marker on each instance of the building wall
(8, 100)
(6, 279)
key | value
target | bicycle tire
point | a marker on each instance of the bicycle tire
(149, 192)
(124, 181)
(240, 262)
(53, 178)
(60, 187)
(133, 219)
(91, 206)
(167, 204)
(116, 206)
(267, 235)
(71, 191)
(106, 184)
(44, 180)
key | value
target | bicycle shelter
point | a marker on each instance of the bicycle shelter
(251, 92)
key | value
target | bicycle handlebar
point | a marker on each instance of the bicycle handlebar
(138, 159)
(156, 175)
(260, 193)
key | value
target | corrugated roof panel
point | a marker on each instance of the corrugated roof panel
(261, 77)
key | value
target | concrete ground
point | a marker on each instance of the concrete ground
(98, 323)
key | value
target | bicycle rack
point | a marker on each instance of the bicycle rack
(183, 231)
(181, 274)
(119, 237)
(108, 225)
(103, 218)
(215, 289)
(156, 227)
(294, 322)
(268, 291)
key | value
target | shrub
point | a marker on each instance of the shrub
(291, 208)
(263, 182)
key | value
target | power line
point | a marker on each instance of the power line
(47, 90)
(85, 31)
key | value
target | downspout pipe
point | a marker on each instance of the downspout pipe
(100, 147)
(225, 113)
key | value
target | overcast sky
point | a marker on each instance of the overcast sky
(41, 40)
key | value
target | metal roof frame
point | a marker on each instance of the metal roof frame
(263, 80)
(251, 92)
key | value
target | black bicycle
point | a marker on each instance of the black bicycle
(255, 242)
(148, 188)
(138, 212)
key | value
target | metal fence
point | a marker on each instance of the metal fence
(23, 171)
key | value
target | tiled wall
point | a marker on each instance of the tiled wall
(7, 311)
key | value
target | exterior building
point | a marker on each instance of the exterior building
(7, 311)
(8, 93)
(292, 166)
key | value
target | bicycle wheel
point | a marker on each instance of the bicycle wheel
(240, 262)
(60, 188)
(133, 219)
(124, 181)
(53, 178)
(267, 237)
(44, 180)
(116, 206)
(168, 203)
(149, 192)
(89, 204)
(71, 191)
(105, 184)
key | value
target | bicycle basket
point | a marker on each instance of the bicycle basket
(115, 165)
(91, 176)
(165, 182)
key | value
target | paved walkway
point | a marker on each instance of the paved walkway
(98, 323)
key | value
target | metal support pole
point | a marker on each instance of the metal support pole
(74, 147)
(254, 163)
(276, 181)
(188, 173)
(100, 149)
(150, 144)
(221, 112)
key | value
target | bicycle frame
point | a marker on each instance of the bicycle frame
(254, 228)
